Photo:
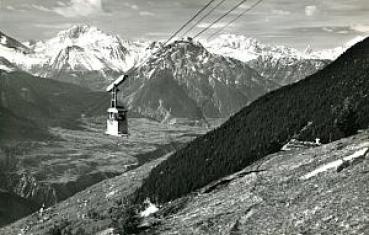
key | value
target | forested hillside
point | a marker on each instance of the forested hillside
(329, 105)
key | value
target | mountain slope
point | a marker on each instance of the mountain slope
(171, 98)
(6, 66)
(274, 196)
(286, 70)
(9, 42)
(215, 85)
(281, 64)
(25, 99)
(13, 207)
(329, 105)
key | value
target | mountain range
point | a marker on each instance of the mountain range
(214, 79)
(282, 64)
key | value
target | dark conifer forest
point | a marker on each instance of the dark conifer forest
(334, 100)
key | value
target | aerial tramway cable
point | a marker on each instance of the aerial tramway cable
(235, 19)
(190, 20)
(220, 18)
(203, 17)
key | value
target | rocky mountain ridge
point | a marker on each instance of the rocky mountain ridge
(282, 64)
(188, 81)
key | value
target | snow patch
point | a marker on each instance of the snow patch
(3, 40)
(110, 194)
(335, 164)
(5, 68)
(150, 209)
(109, 231)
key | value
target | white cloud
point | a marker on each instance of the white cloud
(215, 26)
(41, 8)
(354, 41)
(132, 6)
(360, 28)
(60, 3)
(10, 8)
(157, 34)
(146, 13)
(343, 32)
(80, 8)
(310, 10)
(328, 29)
(281, 12)
(53, 26)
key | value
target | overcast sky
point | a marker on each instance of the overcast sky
(298, 23)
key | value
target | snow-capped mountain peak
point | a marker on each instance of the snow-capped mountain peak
(77, 30)
(94, 44)
(245, 48)
(334, 53)
(75, 51)
(281, 64)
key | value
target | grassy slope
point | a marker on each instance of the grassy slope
(266, 125)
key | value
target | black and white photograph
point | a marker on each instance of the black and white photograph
(184, 117)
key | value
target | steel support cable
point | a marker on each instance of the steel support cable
(190, 20)
(235, 19)
(203, 17)
(220, 18)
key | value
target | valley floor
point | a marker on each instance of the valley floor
(53, 170)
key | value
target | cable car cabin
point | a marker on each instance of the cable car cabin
(117, 121)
